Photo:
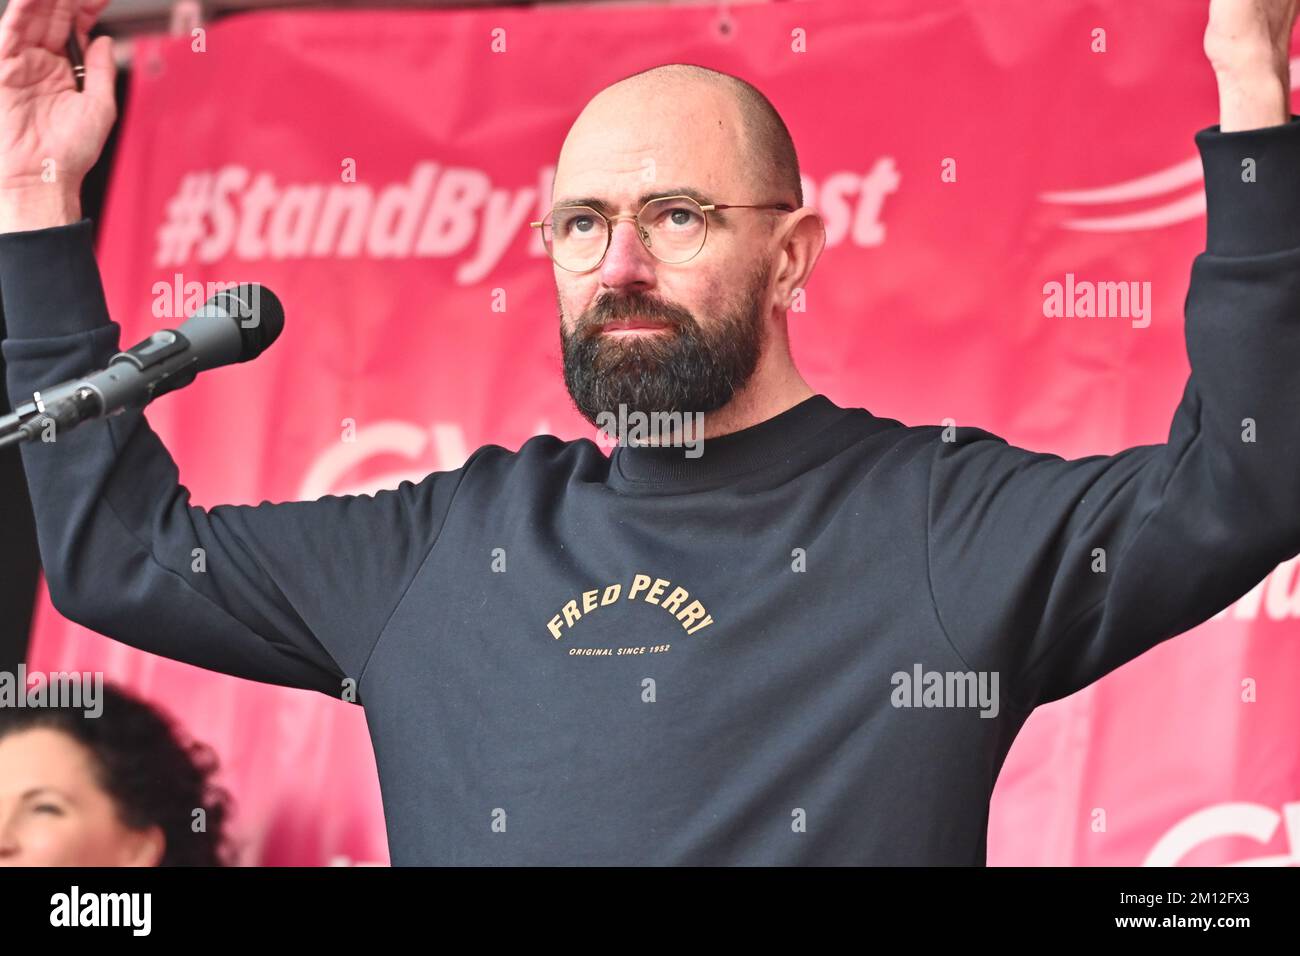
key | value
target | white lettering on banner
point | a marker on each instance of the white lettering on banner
(838, 193)
(1253, 821)
(437, 213)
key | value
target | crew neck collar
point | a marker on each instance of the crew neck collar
(654, 467)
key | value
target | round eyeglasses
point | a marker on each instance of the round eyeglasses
(672, 228)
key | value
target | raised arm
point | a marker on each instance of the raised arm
(293, 593)
(1055, 572)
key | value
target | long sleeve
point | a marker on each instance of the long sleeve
(1055, 572)
(293, 593)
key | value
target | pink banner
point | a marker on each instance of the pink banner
(379, 170)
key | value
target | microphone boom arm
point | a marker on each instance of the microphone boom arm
(70, 404)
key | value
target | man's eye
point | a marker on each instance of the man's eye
(681, 216)
(580, 226)
(49, 808)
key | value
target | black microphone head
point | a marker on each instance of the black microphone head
(256, 311)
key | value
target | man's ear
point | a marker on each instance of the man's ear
(804, 239)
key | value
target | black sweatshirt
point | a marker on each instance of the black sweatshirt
(813, 644)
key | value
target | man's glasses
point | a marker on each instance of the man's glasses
(673, 228)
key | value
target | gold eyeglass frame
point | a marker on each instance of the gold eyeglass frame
(610, 221)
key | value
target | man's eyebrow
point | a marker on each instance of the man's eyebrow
(37, 791)
(595, 202)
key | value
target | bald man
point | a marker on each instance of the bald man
(709, 329)
(766, 629)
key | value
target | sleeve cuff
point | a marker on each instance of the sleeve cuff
(1245, 217)
(50, 282)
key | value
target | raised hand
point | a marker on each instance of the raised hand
(50, 134)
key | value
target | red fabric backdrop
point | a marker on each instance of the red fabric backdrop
(927, 305)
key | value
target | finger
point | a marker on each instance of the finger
(29, 24)
(101, 71)
(88, 12)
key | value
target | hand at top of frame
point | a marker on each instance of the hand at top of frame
(50, 134)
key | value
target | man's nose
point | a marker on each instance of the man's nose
(628, 263)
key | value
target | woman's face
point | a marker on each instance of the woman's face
(54, 813)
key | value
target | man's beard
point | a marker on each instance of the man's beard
(685, 368)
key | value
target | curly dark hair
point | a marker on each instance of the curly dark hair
(155, 775)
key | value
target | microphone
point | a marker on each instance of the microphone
(234, 325)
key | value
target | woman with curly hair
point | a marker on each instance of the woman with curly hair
(120, 789)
